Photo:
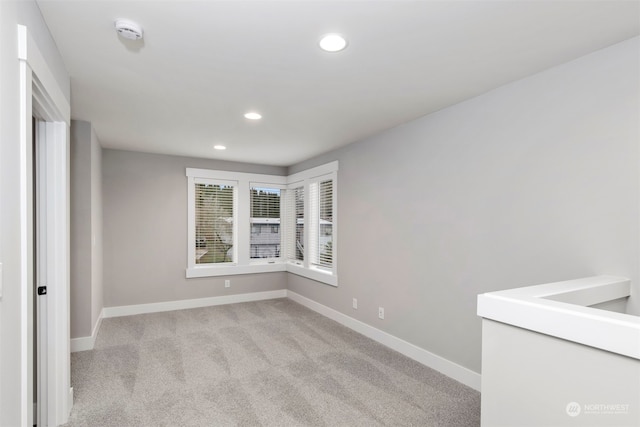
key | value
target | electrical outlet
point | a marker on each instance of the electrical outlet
(381, 312)
(355, 303)
(227, 283)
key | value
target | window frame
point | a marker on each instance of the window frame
(282, 187)
(306, 268)
(243, 263)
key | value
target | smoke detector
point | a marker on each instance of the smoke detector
(128, 29)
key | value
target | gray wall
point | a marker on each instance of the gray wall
(86, 229)
(97, 291)
(11, 356)
(534, 182)
(145, 231)
(521, 387)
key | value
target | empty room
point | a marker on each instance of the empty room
(320, 213)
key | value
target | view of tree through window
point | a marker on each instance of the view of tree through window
(265, 223)
(214, 223)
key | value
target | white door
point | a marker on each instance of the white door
(40, 220)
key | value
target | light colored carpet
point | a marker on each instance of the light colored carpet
(271, 363)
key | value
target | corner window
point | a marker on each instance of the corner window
(241, 223)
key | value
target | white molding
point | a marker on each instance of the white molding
(129, 310)
(440, 364)
(41, 93)
(236, 176)
(325, 169)
(29, 52)
(313, 273)
(242, 182)
(558, 310)
(208, 270)
(87, 343)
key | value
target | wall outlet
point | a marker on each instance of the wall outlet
(355, 303)
(227, 283)
(381, 312)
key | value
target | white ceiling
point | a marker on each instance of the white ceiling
(203, 64)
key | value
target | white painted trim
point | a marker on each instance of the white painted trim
(440, 364)
(230, 270)
(29, 52)
(242, 183)
(25, 388)
(313, 273)
(236, 176)
(325, 169)
(556, 309)
(129, 310)
(87, 343)
(39, 91)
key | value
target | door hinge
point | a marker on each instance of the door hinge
(42, 290)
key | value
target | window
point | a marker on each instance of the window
(241, 223)
(311, 223)
(214, 212)
(265, 220)
(295, 224)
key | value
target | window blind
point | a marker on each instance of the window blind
(295, 220)
(321, 223)
(325, 240)
(214, 213)
(265, 221)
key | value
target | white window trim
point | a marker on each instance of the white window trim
(243, 264)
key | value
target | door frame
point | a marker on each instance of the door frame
(41, 96)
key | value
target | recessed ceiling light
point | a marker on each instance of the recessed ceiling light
(219, 147)
(253, 116)
(332, 42)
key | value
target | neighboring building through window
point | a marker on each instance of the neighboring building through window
(265, 222)
(241, 223)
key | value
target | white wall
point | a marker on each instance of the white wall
(86, 229)
(534, 182)
(13, 13)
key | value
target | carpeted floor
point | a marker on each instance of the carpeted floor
(271, 363)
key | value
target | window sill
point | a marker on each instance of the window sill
(313, 273)
(233, 269)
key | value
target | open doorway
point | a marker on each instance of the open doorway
(44, 241)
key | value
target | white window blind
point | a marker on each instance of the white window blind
(214, 217)
(321, 223)
(265, 240)
(325, 202)
(245, 223)
(295, 224)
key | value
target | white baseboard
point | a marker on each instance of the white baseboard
(87, 343)
(69, 403)
(129, 310)
(440, 364)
